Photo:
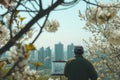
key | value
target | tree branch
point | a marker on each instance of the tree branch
(40, 29)
(10, 71)
(41, 14)
(11, 18)
(40, 2)
(91, 3)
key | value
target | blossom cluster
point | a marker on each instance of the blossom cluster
(105, 51)
(4, 35)
(25, 73)
(114, 37)
(100, 15)
(7, 3)
(20, 51)
(22, 70)
(51, 26)
(104, 20)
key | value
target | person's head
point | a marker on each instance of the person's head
(78, 50)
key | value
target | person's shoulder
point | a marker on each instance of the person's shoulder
(88, 62)
(70, 60)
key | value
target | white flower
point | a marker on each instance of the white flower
(51, 26)
(29, 33)
(14, 54)
(50, 79)
(101, 15)
(13, 74)
(18, 76)
(114, 37)
(4, 35)
(104, 61)
(7, 4)
(32, 72)
(23, 63)
(99, 78)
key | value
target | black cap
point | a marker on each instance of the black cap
(78, 50)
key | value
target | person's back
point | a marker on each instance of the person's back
(79, 68)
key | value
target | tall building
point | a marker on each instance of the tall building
(33, 56)
(59, 52)
(41, 54)
(70, 52)
(47, 59)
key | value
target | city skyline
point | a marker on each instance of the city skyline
(65, 45)
(58, 49)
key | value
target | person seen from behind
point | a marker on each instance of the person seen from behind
(79, 68)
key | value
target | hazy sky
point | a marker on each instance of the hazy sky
(70, 30)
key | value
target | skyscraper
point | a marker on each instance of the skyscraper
(70, 52)
(33, 55)
(47, 60)
(59, 52)
(41, 54)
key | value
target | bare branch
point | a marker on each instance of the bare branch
(11, 18)
(40, 2)
(41, 29)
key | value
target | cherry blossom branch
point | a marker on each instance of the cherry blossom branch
(38, 16)
(95, 4)
(10, 71)
(11, 18)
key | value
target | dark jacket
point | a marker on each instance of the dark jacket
(80, 69)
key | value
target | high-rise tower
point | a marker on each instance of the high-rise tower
(41, 54)
(48, 57)
(59, 56)
(70, 52)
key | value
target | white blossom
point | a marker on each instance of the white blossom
(4, 35)
(22, 63)
(30, 33)
(18, 75)
(14, 54)
(99, 15)
(114, 37)
(52, 26)
(8, 4)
